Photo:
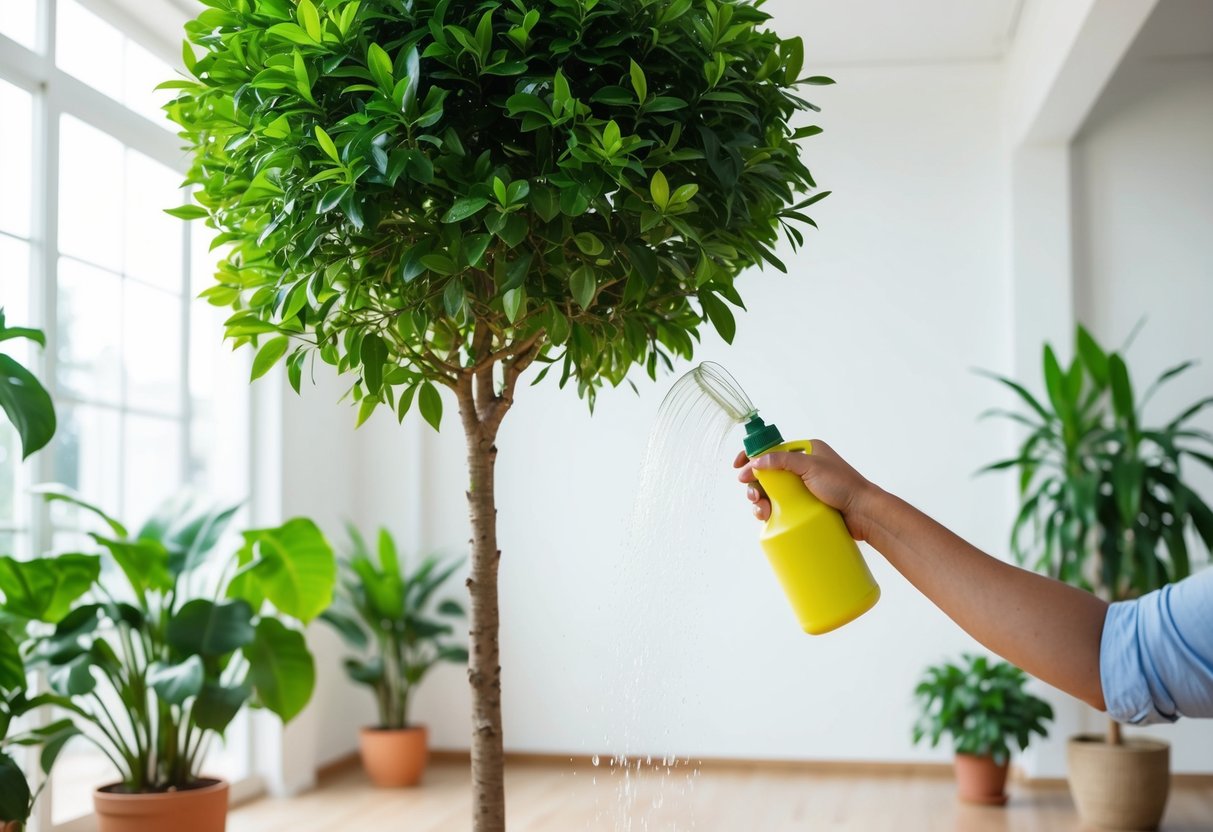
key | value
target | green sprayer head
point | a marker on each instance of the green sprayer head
(759, 436)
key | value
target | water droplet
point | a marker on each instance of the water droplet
(595, 759)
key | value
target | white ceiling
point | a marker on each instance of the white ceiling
(897, 31)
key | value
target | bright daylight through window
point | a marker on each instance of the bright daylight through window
(148, 401)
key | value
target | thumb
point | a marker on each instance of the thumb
(796, 462)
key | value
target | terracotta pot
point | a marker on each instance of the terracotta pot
(10, 826)
(981, 780)
(1119, 786)
(200, 809)
(395, 757)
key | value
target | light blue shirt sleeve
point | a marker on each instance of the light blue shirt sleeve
(1156, 654)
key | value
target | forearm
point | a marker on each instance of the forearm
(1049, 629)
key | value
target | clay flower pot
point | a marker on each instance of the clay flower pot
(199, 809)
(981, 780)
(1119, 786)
(10, 826)
(394, 757)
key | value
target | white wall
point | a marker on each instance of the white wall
(869, 342)
(1143, 199)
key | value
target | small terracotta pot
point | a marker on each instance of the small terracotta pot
(1119, 786)
(981, 780)
(394, 757)
(10, 826)
(200, 809)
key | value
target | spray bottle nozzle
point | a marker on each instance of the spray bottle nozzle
(759, 436)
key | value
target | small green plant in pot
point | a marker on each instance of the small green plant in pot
(401, 630)
(984, 708)
(1105, 506)
(152, 647)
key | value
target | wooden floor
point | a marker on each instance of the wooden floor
(567, 798)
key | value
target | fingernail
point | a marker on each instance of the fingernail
(756, 510)
(752, 494)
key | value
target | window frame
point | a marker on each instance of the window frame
(56, 93)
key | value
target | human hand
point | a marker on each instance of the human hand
(825, 474)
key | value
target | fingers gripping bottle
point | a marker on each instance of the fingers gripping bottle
(813, 555)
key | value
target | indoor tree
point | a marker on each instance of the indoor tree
(427, 193)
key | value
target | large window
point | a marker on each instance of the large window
(148, 399)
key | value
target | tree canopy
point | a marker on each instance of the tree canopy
(418, 189)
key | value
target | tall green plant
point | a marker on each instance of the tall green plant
(982, 706)
(433, 194)
(383, 607)
(1104, 504)
(174, 638)
(29, 408)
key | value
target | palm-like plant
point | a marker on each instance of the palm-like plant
(1103, 501)
(393, 613)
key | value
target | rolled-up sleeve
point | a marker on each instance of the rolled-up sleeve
(1156, 654)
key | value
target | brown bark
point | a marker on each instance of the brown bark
(481, 410)
(484, 660)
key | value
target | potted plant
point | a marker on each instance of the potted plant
(1105, 506)
(29, 408)
(984, 707)
(435, 195)
(393, 613)
(172, 641)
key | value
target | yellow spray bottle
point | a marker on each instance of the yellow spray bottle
(807, 542)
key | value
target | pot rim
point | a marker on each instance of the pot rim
(1129, 745)
(410, 729)
(989, 757)
(213, 784)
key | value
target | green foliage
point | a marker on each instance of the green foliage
(22, 396)
(393, 614)
(1104, 504)
(415, 191)
(180, 636)
(981, 705)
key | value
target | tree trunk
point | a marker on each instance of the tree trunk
(484, 660)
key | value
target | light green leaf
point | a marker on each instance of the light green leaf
(639, 83)
(175, 683)
(269, 355)
(296, 567)
(583, 285)
(327, 144)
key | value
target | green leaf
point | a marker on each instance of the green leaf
(217, 705)
(380, 66)
(27, 404)
(659, 189)
(295, 567)
(452, 297)
(12, 670)
(175, 683)
(309, 18)
(583, 285)
(326, 144)
(54, 741)
(463, 208)
(269, 355)
(45, 589)
(281, 668)
(209, 629)
(1092, 355)
(74, 677)
(1122, 389)
(720, 315)
(512, 301)
(793, 59)
(639, 84)
(373, 354)
(588, 243)
(14, 791)
(187, 212)
(430, 404)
